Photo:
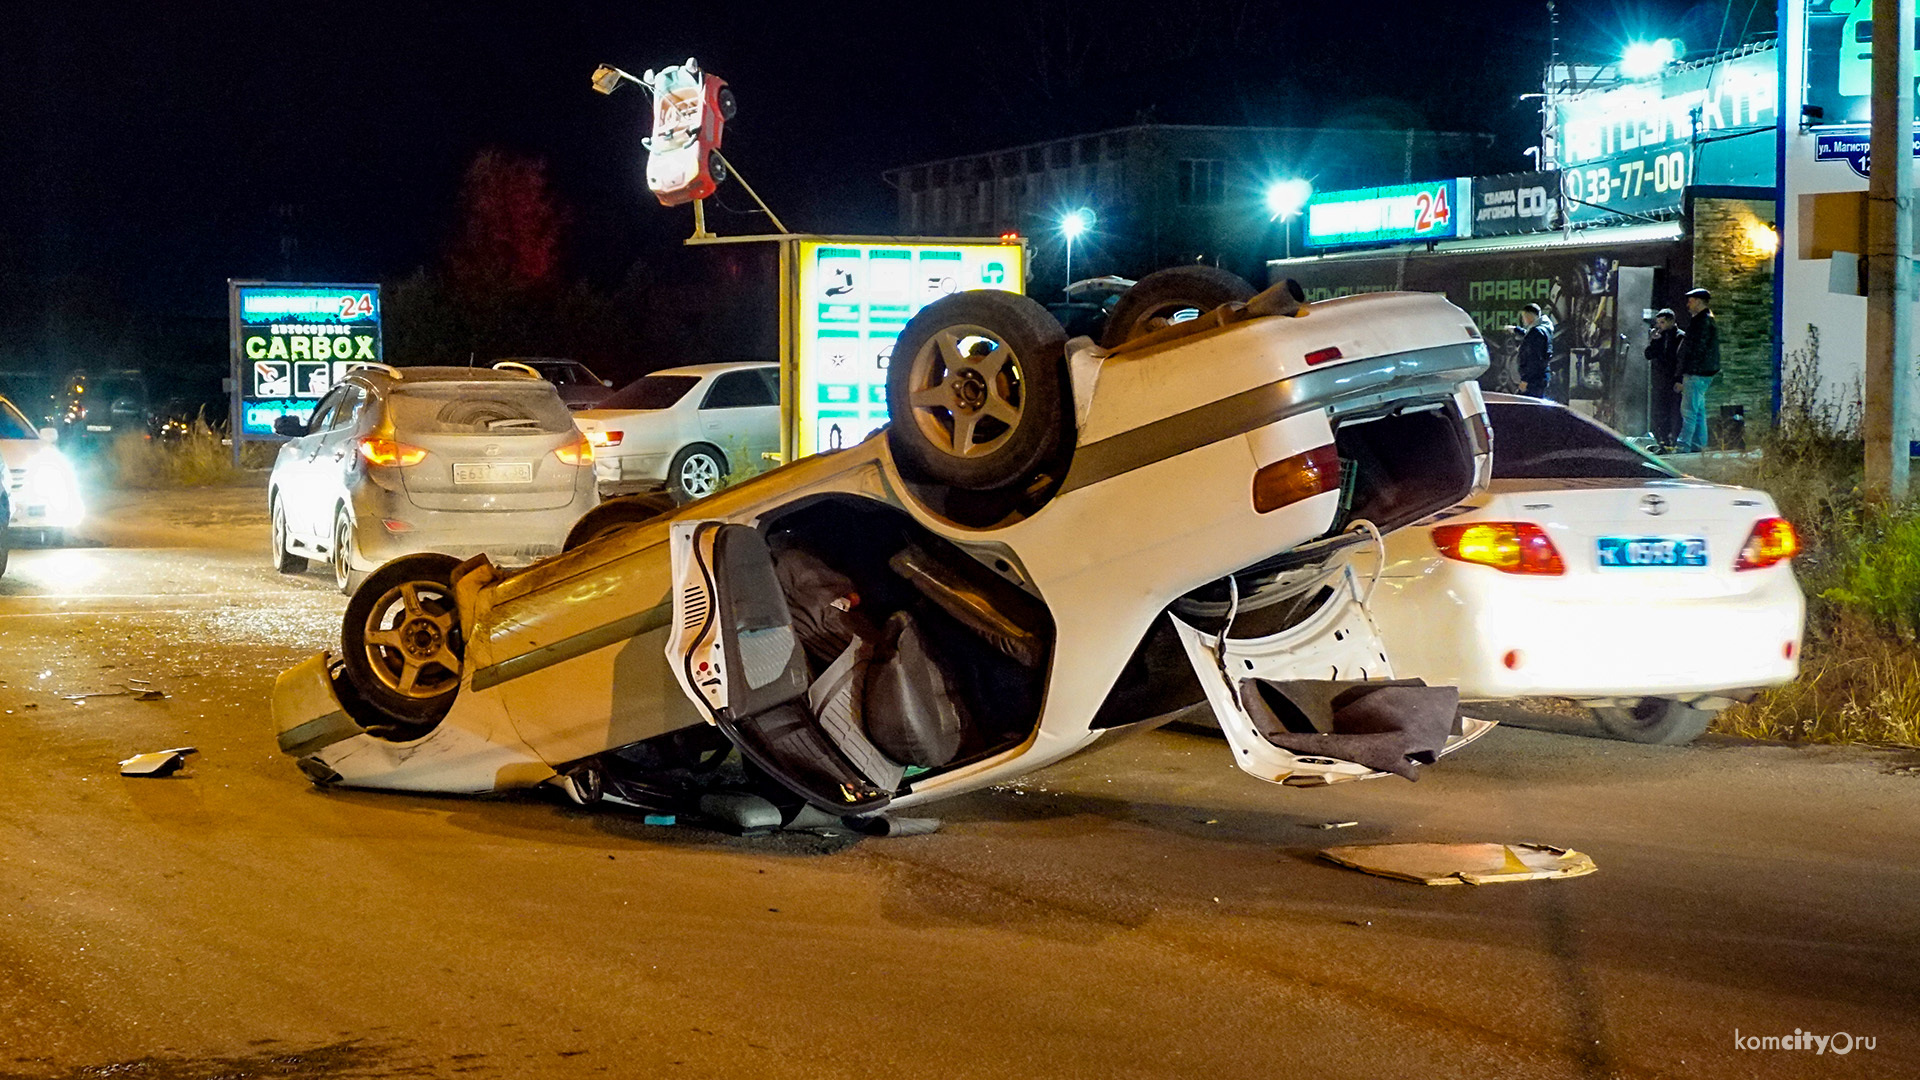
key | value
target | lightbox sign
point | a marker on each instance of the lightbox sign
(291, 343)
(1634, 149)
(1426, 211)
(1839, 67)
(854, 300)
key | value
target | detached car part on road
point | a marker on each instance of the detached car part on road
(1050, 541)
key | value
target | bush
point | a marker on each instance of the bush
(197, 457)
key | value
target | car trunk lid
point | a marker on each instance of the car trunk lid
(490, 446)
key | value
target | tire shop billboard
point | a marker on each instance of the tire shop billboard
(854, 299)
(1380, 215)
(291, 343)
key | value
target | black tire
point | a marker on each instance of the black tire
(1660, 721)
(1159, 296)
(623, 512)
(283, 560)
(977, 392)
(697, 471)
(403, 622)
(341, 556)
(728, 106)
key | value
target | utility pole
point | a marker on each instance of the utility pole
(1890, 361)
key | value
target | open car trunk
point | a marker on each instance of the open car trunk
(848, 652)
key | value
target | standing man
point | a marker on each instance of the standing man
(1699, 363)
(1663, 354)
(1536, 351)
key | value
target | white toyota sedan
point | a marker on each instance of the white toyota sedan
(685, 428)
(1593, 571)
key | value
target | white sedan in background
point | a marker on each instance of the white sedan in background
(41, 487)
(685, 428)
(1593, 571)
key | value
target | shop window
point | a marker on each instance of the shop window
(1202, 182)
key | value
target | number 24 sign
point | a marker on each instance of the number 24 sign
(1430, 210)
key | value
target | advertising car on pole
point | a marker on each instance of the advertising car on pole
(290, 343)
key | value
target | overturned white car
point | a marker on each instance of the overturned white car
(1051, 541)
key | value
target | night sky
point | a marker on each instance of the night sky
(154, 150)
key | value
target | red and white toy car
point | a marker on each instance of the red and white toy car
(690, 110)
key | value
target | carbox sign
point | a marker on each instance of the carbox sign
(854, 300)
(1515, 203)
(1426, 211)
(292, 342)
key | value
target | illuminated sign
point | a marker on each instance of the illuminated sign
(1839, 68)
(1633, 149)
(1375, 215)
(291, 343)
(854, 300)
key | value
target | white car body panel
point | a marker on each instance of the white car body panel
(649, 438)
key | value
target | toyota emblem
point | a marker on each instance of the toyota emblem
(1653, 504)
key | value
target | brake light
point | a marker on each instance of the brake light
(388, 452)
(604, 438)
(1772, 541)
(1321, 356)
(1512, 547)
(577, 453)
(1301, 476)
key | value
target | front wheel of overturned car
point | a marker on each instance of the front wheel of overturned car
(616, 514)
(1165, 297)
(401, 640)
(1661, 721)
(977, 392)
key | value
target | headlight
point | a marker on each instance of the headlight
(51, 484)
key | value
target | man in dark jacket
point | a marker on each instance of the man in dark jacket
(1663, 377)
(1536, 352)
(1699, 363)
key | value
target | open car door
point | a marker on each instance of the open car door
(734, 650)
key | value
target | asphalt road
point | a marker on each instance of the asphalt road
(1143, 910)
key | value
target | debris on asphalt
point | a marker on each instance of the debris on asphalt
(1330, 824)
(158, 763)
(137, 689)
(1456, 864)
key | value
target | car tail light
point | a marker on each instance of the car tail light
(604, 438)
(1772, 541)
(1301, 476)
(577, 453)
(388, 452)
(1321, 356)
(1513, 547)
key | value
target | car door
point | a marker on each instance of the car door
(299, 486)
(741, 415)
(734, 652)
(334, 449)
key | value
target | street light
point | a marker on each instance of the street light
(1072, 225)
(1644, 58)
(1285, 200)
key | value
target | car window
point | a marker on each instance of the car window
(650, 392)
(491, 409)
(347, 409)
(738, 390)
(13, 425)
(321, 419)
(772, 378)
(558, 374)
(1539, 442)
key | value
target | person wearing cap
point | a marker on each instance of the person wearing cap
(1536, 351)
(1663, 356)
(1699, 363)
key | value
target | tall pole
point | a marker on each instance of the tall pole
(1889, 381)
(1069, 256)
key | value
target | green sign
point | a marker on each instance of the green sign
(1385, 214)
(291, 343)
(1839, 67)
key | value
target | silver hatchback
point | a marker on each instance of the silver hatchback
(455, 460)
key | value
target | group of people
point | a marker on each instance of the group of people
(1684, 363)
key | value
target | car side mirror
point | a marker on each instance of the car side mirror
(50, 434)
(289, 426)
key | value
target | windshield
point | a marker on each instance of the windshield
(1541, 442)
(487, 409)
(13, 425)
(650, 392)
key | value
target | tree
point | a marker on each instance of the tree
(510, 227)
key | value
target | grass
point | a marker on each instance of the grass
(196, 457)
(1859, 566)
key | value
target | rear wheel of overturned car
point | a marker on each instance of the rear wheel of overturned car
(695, 473)
(617, 514)
(1663, 721)
(1176, 294)
(401, 639)
(344, 575)
(977, 392)
(283, 560)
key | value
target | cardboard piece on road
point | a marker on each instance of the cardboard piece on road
(1462, 864)
(158, 763)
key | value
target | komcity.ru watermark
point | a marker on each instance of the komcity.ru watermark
(1839, 1042)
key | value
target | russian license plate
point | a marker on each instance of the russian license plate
(1634, 551)
(493, 472)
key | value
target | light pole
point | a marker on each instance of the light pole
(1285, 200)
(1072, 225)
